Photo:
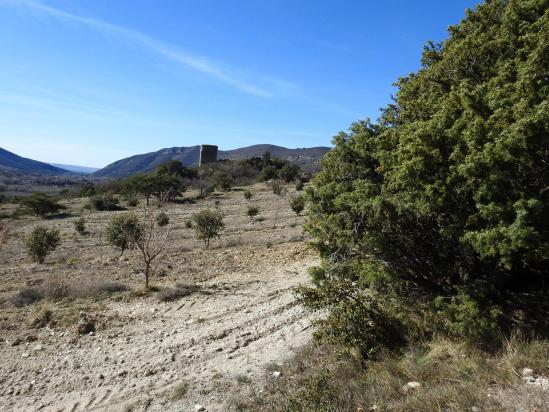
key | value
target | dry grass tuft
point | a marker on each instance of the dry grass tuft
(56, 288)
(453, 377)
(179, 291)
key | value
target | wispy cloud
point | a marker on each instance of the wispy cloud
(185, 59)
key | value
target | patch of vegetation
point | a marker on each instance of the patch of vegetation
(105, 202)
(41, 204)
(56, 288)
(121, 231)
(88, 190)
(208, 225)
(451, 376)
(297, 204)
(162, 219)
(252, 212)
(41, 242)
(443, 203)
(80, 225)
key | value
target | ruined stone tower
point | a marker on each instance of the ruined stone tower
(208, 154)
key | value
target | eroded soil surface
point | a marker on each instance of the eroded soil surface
(207, 348)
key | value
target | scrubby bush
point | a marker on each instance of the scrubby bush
(122, 230)
(132, 199)
(58, 287)
(105, 202)
(41, 242)
(80, 225)
(88, 190)
(247, 194)
(208, 224)
(297, 203)
(252, 212)
(357, 318)
(446, 195)
(41, 204)
(299, 185)
(223, 181)
(162, 219)
(277, 187)
(289, 172)
(26, 297)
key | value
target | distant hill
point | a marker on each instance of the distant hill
(189, 156)
(77, 169)
(13, 163)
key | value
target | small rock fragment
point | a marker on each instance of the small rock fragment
(411, 386)
(527, 373)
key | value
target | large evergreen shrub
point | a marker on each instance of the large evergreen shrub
(448, 193)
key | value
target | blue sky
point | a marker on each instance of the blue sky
(89, 82)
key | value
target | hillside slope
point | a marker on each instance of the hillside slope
(11, 162)
(189, 156)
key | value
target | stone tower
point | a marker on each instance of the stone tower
(208, 154)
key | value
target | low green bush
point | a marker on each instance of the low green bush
(41, 242)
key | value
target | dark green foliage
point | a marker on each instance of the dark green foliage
(228, 173)
(356, 318)
(252, 212)
(466, 317)
(447, 195)
(299, 185)
(247, 195)
(80, 225)
(105, 202)
(175, 168)
(41, 242)
(297, 203)
(123, 230)
(162, 185)
(162, 219)
(288, 172)
(41, 204)
(208, 224)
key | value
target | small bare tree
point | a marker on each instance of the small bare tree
(152, 238)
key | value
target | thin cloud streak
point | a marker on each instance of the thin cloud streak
(197, 63)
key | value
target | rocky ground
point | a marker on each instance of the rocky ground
(135, 352)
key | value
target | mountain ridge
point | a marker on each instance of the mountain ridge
(189, 156)
(12, 162)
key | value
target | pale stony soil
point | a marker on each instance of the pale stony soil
(218, 341)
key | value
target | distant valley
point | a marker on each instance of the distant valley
(76, 169)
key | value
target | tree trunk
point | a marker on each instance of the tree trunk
(147, 270)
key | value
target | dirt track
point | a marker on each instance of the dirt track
(218, 340)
